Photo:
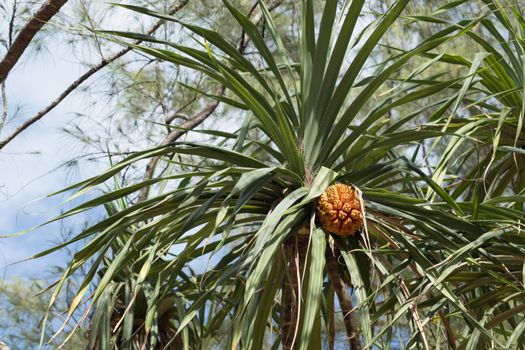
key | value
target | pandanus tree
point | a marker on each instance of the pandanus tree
(251, 234)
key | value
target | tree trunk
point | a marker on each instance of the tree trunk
(332, 267)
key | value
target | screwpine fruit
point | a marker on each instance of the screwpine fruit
(339, 210)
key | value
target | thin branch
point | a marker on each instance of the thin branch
(103, 63)
(198, 118)
(195, 120)
(245, 39)
(26, 35)
(174, 116)
(4, 106)
(11, 25)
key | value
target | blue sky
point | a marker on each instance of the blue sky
(27, 165)
(30, 166)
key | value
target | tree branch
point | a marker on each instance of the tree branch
(11, 25)
(198, 118)
(28, 32)
(3, 117)
(103, 63)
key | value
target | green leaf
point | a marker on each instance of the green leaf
(314, 291)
